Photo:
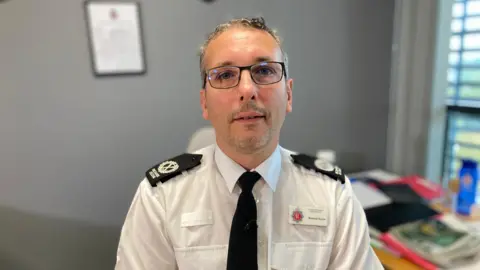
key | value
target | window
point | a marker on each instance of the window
(463, 93)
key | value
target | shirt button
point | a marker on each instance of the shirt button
(257, 200)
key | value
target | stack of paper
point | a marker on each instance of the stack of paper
(437, 242)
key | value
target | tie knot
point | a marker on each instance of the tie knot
(247, 180)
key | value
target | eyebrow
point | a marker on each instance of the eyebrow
(257, 60)
(262, 59)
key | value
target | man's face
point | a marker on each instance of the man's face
(230, 110)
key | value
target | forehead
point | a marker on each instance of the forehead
(241, 46)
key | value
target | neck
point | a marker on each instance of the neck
(248, 160)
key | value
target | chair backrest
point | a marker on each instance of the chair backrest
(203, 137)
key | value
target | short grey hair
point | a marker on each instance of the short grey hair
(253, 23)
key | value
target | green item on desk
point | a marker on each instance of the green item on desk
(439, 243)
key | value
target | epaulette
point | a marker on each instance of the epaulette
(319, 165)
(172, 167)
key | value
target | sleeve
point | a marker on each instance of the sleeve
(351, 246)
(144, 242)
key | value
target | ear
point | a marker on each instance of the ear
(203, 103)
(289, 84)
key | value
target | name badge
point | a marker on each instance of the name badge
(305, 215)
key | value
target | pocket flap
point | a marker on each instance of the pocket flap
(203, 217)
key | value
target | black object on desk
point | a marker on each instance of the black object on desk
(401, 193)
(387, 216)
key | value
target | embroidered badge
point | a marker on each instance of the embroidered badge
(297, 215)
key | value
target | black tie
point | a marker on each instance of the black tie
(242, 247)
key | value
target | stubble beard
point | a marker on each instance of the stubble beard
(251, 144)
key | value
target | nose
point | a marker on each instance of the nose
(247, 87)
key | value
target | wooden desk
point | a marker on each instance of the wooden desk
(393, 262)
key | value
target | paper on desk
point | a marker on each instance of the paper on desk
(377, 174)
(454, 222)
(473, 266)
(368, 196)
(382, 175)
(461, 225)
(458, 224)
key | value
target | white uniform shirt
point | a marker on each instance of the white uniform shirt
(306, 219)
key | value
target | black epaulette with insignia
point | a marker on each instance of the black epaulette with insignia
(319, 165)
(172, 167)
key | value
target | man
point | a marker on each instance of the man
(245, 202)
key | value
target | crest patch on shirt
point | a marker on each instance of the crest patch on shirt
(170, 168)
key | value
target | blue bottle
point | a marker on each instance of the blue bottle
(468, 177)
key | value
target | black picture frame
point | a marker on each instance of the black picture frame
(90, 38)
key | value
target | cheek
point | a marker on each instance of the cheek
(275, 100)
(218, 105)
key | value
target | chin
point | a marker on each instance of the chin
(248, 144)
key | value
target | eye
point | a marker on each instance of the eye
(225, 75)
(264, 71)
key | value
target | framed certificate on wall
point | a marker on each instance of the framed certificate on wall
(115, 37)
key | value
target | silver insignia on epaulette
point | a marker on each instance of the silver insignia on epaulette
(168, 167)
(324, 165)
(154, 174)
(338, 170)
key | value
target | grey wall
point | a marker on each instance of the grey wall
(74, 148)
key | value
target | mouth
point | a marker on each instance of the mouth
(249, 119)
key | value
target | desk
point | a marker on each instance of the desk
(471, 225)
(394, 263)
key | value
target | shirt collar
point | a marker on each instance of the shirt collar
(231, 171)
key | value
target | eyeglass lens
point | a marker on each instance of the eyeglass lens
(262, 73)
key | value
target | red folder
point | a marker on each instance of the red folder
(427, 189)
(406, 252)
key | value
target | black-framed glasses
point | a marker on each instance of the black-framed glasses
(262, 73)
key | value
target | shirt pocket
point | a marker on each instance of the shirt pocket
(202, 257)
(196, 229)
(301, 255)
(198, 218)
